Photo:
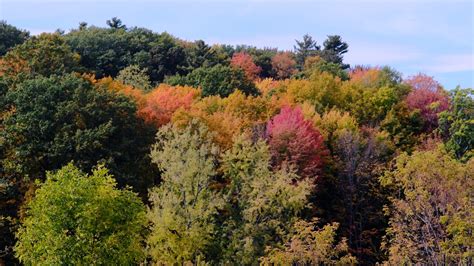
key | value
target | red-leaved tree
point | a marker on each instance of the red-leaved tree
(428, 96)
(245, 62)
(283, 65)
(294, 140)
(163, 101)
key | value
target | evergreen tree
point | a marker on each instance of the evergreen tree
(10, 36)
(305, 48)
(116, 23)
(334, 49)
(457, 124)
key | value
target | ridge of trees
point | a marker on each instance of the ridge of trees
(120, 145)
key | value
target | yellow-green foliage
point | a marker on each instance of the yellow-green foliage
(321, 90)
(264, 203)
(311, 246)
(431, 216)
(185, 204)
(80, 219)
(333, 123)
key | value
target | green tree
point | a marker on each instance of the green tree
(185, 205)
(82, 25)
(60, 119)
(404, 126)
(134, 76)
(390, 77)
(262, 204)
(217, 80)
(322, 90)
(46, 55)
(371, 94)
(304, 49)
(9, 194)
(200, 55)
(223, 53)
(10, 36)
(263, 59)
(3, 102)
(116, 23)
(431, 218)
(311, 246)
(318, 64)
(77, 218)
(334, 49)
(106, 51)
(457, 124)
(167, 58)
(9, 200)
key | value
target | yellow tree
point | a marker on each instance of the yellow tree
(431, 218)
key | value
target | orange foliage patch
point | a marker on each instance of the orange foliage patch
(267, 86)
(245, 62)
(229, 116)
(163, 101)
(365, 76)
(119, 87)
(12, 66)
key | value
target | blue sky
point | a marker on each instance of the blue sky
(433, 37)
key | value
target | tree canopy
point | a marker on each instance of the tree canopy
(76, 218)
(62, 119)
(217, 80)
(10, 36)
(240, 155)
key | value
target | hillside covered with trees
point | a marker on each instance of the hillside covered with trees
(123, 146)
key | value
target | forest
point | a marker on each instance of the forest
(123, 146)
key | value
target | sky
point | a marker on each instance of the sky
(430, 36)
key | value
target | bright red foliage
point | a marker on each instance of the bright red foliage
(245, 62)
(162, 102)
(427, 96)
(294, 140)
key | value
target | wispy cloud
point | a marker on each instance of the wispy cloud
(380, 54)
(451, 63)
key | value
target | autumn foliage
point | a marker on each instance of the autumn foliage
(293, 140)
(163, 101)
(283, 65)
(260, 156)
(245, 62)
(428, 97)
(118, 87)
(365, 75)
(227, 117)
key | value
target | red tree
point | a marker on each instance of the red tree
(283, 65)
(294, 140)
(428, 96)
(245, 62)
(162, 102)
